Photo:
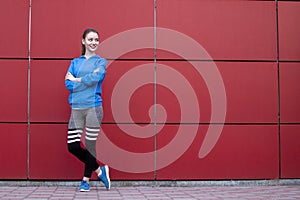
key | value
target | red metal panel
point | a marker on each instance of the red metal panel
(63, 23)
(289, 30)
(241, 152)
(128, 92)
(13, 151)
(128, 149)
(49, 156)
(290, 151)
(14, 28)
(49, 96)
(289, 92)
(226, 30)
(13, 88)
(251, 91)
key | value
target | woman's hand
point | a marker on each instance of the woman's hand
(70, 77)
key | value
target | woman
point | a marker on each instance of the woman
(84, 80)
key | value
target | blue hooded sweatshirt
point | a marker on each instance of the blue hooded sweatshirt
(87, 93)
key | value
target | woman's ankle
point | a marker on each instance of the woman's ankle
(86, 179)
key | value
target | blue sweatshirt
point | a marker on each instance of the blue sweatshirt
(87, 93)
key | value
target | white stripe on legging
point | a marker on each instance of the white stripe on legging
(92, 134)
(75, 131)
(92, 129)
(89, 138)
(71, 141)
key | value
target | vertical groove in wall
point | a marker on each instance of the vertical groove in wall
(278, 85)
(155, 113)
(28, 89)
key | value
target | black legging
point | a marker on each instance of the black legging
(85, 156)
(91, 118)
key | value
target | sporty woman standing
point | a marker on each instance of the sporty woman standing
(84, 80)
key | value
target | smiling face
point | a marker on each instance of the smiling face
(91, 42)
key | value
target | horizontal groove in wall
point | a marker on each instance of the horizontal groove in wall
(158, 59)
(152, 59)
(172, 123)
(10, 122)
(163, 59)
(289, 61)
(4, 58)
(167, 123)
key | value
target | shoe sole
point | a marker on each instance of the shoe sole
(83, 190)
(107, 176)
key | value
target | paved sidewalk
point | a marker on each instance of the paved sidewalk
(288, 192)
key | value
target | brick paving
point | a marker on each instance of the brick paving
(288, 192)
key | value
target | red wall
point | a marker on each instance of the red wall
(252, 47)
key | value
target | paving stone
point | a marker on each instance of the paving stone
(151, 193)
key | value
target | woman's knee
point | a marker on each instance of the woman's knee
(74, 147)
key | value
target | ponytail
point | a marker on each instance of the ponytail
(82, 49)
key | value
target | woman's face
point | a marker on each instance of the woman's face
(91, 42)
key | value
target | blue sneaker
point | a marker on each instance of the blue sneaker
(84, 186)
(104, 177)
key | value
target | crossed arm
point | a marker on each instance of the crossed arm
(70, 77)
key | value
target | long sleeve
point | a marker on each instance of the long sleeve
(97, 75)
(70, 85)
